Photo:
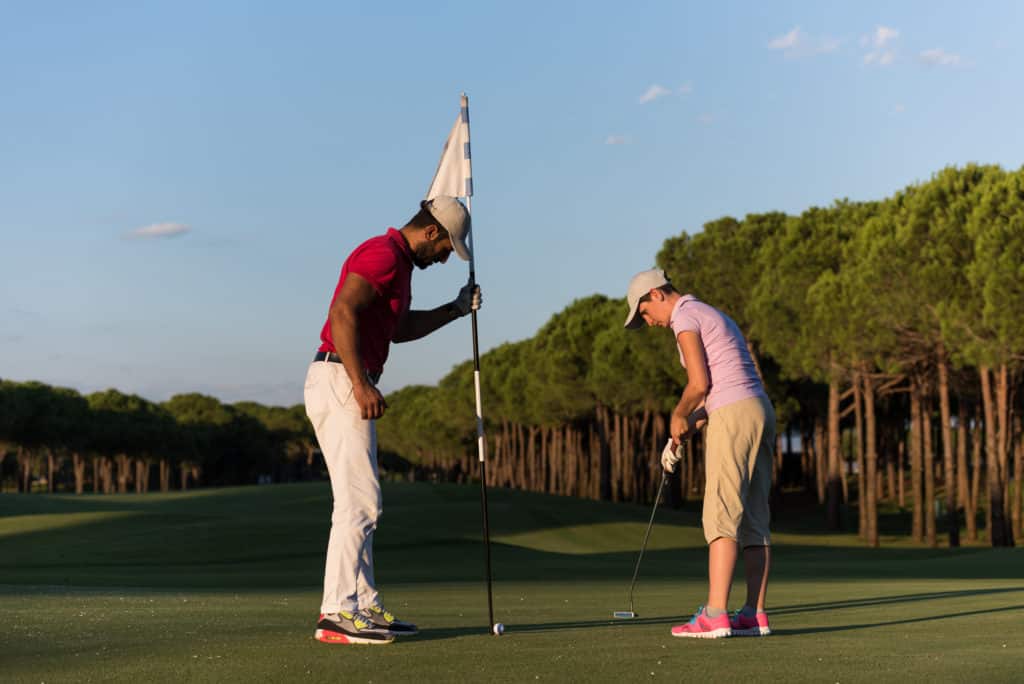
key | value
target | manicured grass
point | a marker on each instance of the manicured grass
(223, 585)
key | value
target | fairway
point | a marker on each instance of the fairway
(223, 585)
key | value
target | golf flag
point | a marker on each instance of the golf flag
(454, 175)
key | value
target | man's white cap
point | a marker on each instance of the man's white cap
(453, 217)
(641, 284)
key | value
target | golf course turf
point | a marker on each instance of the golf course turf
(224, 585)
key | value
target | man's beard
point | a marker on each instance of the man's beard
(420, 261)
(422, 257)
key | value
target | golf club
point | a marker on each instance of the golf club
(628, 614)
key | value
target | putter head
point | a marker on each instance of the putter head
(624, 614)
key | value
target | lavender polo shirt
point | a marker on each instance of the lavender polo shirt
(731, 371)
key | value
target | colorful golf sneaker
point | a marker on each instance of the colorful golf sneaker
(744, 624)
(701, 626)
(382, 618)
(350, 628)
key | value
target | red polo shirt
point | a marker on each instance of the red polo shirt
(386, 263)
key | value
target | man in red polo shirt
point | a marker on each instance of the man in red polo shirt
(369, 310)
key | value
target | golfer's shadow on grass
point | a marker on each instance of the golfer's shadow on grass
(885, 600)
(891, 623)
(890, 600)
(453, 632)
(450, 633)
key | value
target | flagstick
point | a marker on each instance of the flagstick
(481, 440)
(482, 450)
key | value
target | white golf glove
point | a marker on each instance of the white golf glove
(469, 299)
(670, 456)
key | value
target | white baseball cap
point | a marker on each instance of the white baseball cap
(641, 284)
(453, 217)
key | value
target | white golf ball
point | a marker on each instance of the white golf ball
(498, 629)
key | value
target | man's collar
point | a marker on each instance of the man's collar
(399, 239)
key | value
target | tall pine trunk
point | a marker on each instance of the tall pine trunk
(78, 466)
(928, 471)
(1018, 466)
(141, 475)
(1018, 463)
(807, 460)
(963, 483)
(977, 469)
(862, 481)
(51, 469)
(834, 489)
(901, 480)
(949, 475)
(1003, 446)
(997, 503)
(917, 524)
(165, 475)
(107, 466)
(871, 461)
(820, 447)
(123, 473)
(24, 470)
(890, 469)
(604, 452)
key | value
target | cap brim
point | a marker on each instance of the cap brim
(459, 245)
(634, 320)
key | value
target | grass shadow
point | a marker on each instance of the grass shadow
(893, 623)
(270, 536)
(612, 623)
(887, 600)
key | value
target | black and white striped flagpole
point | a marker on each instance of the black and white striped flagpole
(481, 440)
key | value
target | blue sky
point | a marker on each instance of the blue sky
(255, 144)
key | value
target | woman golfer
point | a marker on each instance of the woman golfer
(739, 442)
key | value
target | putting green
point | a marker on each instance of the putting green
(222, 585)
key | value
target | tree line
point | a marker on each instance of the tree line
(109, 441)
(890, 335)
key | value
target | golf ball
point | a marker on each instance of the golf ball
(498, 629)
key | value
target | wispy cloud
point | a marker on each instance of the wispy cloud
(686, 88)
(786, 42)
(879, 58)
(158, 230)
(880, 42)
(706, 119)
(939, 57)
(884, 35)
(798, 43)
(653, 93)
(899, 108)
(616, 140)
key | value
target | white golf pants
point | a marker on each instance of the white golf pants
(349, 445)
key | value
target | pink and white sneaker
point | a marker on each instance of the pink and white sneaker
(743, 625)
(701, 626)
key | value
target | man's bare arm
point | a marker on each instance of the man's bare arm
(417, 324)
(356, 294)
(420, 323)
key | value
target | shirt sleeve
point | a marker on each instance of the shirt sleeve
(377, 264)
(684, 322)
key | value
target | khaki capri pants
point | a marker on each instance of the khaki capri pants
(739, 444)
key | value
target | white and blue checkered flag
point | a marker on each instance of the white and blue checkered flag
(454, 175)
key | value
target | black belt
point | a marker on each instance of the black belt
(331, 357)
